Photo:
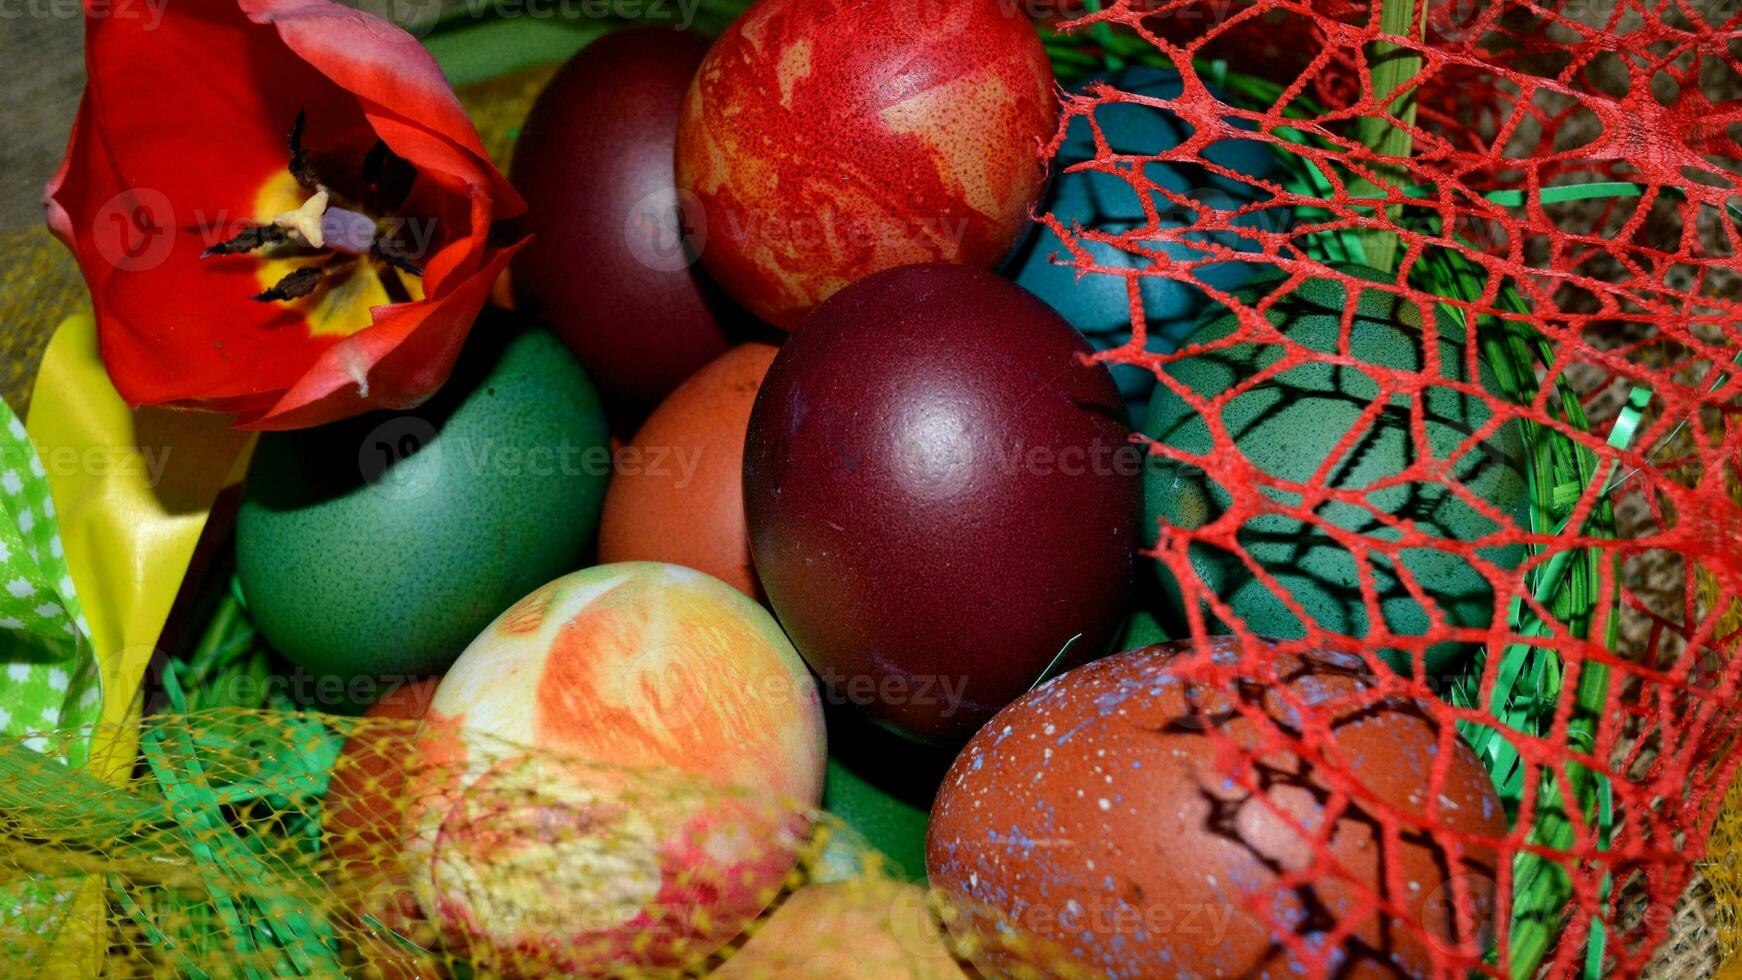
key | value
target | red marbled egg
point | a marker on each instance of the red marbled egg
(1100, 817)
(824, 140)
(607, 267)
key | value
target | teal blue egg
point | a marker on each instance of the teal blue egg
(381, 545)
(1288, 425)
(1097, 303)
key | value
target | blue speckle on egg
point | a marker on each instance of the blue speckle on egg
(1097, 303)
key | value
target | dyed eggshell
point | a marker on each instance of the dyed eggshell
(673, 746)
(868, 928)
(678, 495)
(825, 140)
(1288, 423)
(1098, 304)
(380, 545)
(607, 268)
(881, 786)
(362, 818)
(941, 496)
(1102, 816)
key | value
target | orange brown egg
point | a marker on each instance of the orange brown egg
(362, 823)
(678, 495)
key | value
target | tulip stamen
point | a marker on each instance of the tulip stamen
(392, 251)
(387, 179)
(322, 223)
(298, 284)
(249, 239)
(393, 286)
(300, 168)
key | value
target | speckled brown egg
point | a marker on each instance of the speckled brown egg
(678, 494)
(824, 140)
(1146, 817)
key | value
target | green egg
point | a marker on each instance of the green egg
(1288, 425)
(382, 545)
(1142, 629)
(881, 786)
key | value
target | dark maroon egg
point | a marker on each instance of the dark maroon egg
(608, 267)
(941, 496)
(1148, 816)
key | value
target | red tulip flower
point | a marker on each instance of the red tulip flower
(280, 208)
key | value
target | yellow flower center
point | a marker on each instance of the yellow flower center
(341, 306)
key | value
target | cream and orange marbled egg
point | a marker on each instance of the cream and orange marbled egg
(824, 140)
(616, 772)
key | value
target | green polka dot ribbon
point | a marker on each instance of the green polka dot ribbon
(51, 690)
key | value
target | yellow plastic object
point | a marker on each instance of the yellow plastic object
(132, 490)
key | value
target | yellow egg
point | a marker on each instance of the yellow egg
(869, 928)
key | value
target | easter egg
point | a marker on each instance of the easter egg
(869, 928)
(1288, 426)
(881, 786)
(678, 495)
(608, 267)
(379, 546)
(825, 141)
(362, 822)
(1097, 303)
(616, 774)
(1142, 629)
(942, 497)
(1105, 819)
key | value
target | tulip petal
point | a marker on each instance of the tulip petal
(385, 67)
(411, 348)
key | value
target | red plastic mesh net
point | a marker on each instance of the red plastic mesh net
(1517, 282)
(1555, 194)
